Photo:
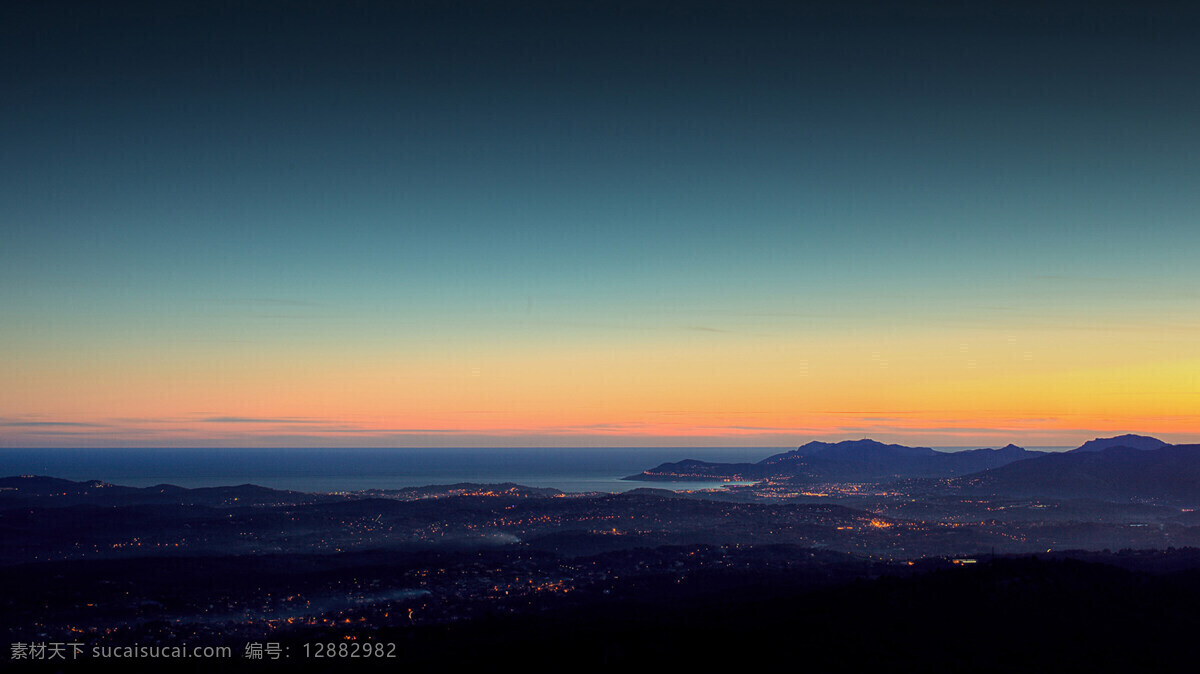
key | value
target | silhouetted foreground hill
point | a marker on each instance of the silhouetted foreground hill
(1014, 615)
(1109, 614)
(670, 607)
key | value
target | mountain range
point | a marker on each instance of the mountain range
(851, 460)
(1115, 472)
(1122, 467)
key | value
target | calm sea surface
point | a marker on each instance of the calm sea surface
(323, 470)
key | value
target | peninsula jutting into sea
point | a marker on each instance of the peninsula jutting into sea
(797, 542)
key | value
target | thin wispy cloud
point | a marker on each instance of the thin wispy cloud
(260, 420)
(52, 424)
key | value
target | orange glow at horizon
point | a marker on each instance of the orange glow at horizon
(962, 387)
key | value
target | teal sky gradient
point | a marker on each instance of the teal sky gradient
(324, 180)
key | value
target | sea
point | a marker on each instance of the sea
(569, 469)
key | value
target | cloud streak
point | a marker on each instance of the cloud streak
(261, 420)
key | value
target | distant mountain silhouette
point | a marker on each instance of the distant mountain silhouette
(1128, 440)
(850, 460)
(850, 450)
(20, 490)
(1120, 472)
(36, 488)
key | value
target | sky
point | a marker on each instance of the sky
(597, 223)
